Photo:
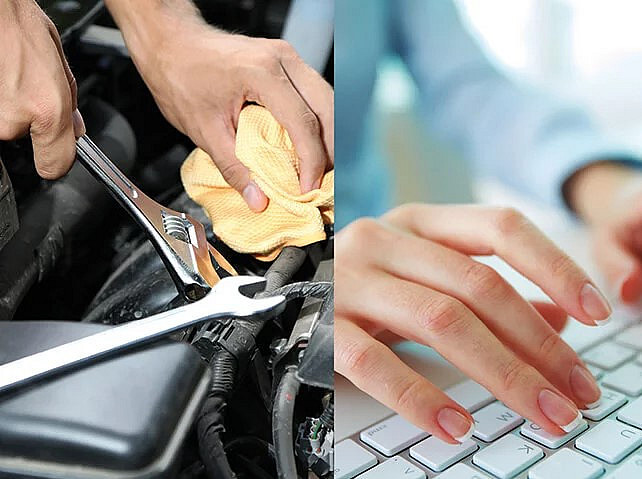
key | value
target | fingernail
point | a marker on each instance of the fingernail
(594, 304)
(254, 197)
(585, 387)
(456, 424)
(559, 410)
(79, 124)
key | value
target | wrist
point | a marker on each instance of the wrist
(595, 190)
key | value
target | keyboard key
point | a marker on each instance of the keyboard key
(351, 459)
(392, 435)
(629, 469)
(470, 395)
(627, 379)
(610, 441)
(462, 471)
(396, 467)
(438, 455)
(609, 402)
(494, 421)
(568, 464)
(539, 435)
(632, 414)
(508, 456)
(595, 371)
(631, 337)
(608, 355)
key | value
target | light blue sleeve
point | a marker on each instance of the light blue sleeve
(526, 138)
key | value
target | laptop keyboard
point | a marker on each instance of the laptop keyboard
(607, 444)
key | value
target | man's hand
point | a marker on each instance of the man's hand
(37, 88)
(201, 78)
(410, 274)
(608, 196)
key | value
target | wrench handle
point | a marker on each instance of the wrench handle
(66, 356)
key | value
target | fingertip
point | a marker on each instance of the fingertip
(594, 304)
(254, 197)
(629, 289)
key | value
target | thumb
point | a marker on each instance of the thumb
(620, 266)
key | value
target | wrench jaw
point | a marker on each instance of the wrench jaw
(193, 258)
(242, 288)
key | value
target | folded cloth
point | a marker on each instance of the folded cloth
(290, 219)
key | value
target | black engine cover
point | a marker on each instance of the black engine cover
(124, 417)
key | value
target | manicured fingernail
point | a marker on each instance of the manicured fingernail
(594, 304)
(456, 424)
(79, 124)
(254, 197)
(559, 410)
(584, 386)
(595, 404)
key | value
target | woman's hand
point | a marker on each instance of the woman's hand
(37, 88)
(410, 274)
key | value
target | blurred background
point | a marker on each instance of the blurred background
(587, 51)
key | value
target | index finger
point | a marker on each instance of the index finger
(508, 234)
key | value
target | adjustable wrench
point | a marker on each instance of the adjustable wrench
(225, 300)
(194, 264)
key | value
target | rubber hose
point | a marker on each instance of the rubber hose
(283, 424)
(210, 424)
(284, 267)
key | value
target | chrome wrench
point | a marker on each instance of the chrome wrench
(194, 265)
(225, 300)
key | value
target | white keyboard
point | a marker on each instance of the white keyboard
(607, 444)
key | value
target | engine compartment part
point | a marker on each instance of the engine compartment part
(62, 214)
(8, 211)
(80, 426)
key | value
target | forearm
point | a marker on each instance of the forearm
(593, 191)
(146, 24)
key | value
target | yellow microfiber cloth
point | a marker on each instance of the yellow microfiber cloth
(290, 219)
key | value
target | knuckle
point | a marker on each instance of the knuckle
(483, 281)
(282, 47)
(49, 115)
(509, 221)
(359, 233)
(562, 265)
(513, 375)
(359, 359)
(234, 174)
(551, 344)
(404, 212)
(310, 122)
(441, 317)
(406, 393)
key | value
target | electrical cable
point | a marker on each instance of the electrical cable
(283, 424)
